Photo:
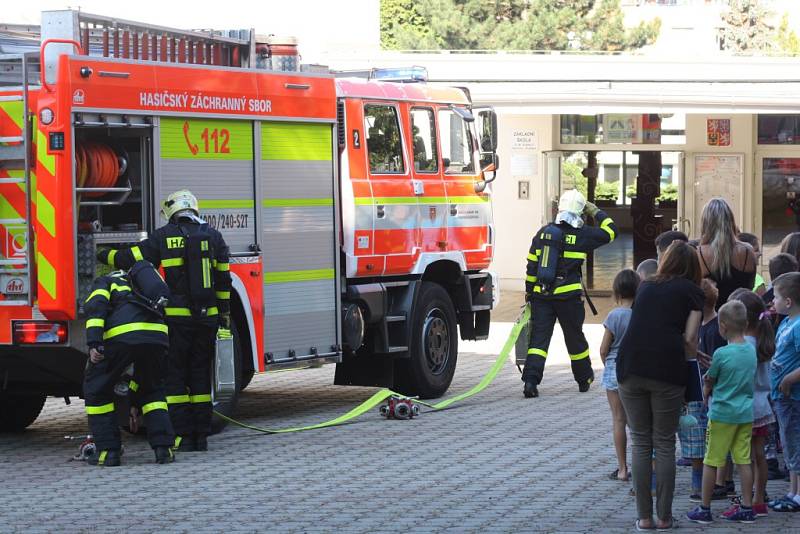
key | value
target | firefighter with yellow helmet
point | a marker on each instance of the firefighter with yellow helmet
(194, 257)
(554, 290)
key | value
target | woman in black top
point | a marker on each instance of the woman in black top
(652, 371)
(726, 260)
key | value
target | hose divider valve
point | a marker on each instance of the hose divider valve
(399, 408)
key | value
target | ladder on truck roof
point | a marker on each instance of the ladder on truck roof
(102, 36)
(16, 161)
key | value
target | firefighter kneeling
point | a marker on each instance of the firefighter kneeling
(125, 325)
(553, 287)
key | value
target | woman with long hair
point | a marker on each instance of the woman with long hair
(726, 260)
(652, 371)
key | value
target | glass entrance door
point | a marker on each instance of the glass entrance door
(780, 200)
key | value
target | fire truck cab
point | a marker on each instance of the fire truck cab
(356, 210)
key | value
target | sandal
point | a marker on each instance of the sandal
(775, 502)
(787, 506)
(643, 529)
(614, 475)
(673, 523)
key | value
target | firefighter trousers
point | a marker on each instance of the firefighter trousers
(149, 363)
(191, 351)
(570, 314)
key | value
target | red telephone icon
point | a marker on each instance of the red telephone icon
(193, 147)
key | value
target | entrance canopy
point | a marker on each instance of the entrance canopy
(602, 83)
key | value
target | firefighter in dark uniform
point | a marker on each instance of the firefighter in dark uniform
(195, 261)
(125, 325)
(554, 290)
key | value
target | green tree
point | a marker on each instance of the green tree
(510, 25)
(787, 40)
(401, 17)
(746, 28)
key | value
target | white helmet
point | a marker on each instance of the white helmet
(572, 201)
(179, 201)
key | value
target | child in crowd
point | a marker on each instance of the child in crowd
(647, 269)
(625, 285)
(665, 239)
(693, 438)
(759, 287)
(784, 374)
(781, 264)
(761, 335)
(729, 382)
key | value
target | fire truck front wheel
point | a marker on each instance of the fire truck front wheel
(433, 346)
(17, 412)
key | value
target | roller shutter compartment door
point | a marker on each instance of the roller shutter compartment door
(299, 242)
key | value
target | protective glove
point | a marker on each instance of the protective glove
(225, 321)
(590, 209)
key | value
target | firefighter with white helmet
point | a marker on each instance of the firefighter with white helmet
(554, 290)
(195, 261)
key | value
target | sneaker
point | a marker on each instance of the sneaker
(720, 493)
(700, 515)
(530, 391)
(760, 510)
(695, 497)
(730, 488)
(683, 462)
(739, 514)
(107, 458)
(164, 455)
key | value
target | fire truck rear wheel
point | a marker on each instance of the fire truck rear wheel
(433, 346)
(18, 412)
(229, 408)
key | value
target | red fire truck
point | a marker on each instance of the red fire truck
(356, 210)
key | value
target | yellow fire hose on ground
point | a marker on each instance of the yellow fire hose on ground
(385, 393)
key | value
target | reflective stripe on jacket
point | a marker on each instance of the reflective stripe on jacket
(112, 315)
(578, 242)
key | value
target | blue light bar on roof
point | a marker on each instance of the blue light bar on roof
(401, 74)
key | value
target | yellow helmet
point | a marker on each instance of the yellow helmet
(179, 201)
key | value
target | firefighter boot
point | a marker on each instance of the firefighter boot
(164, 455)
(530, 390)
(184, 444)
(106, 458)
(583, 385)
(201, 443)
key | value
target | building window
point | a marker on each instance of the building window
(623, 128)
(384, 143)
(779, 129)
(423, 130)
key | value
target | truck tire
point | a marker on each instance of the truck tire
(18, 412)
(228, 409)
(247, 377)
(433, 345)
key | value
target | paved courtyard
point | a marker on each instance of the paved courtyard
(494, 463)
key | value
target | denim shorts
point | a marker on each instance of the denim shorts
(788, 414)
(610, 375)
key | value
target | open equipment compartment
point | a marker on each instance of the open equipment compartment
(113, 181)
